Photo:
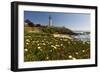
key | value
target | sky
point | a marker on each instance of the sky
(73, 21)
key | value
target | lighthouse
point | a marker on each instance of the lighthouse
(50, 21)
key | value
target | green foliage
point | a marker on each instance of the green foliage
(60, 30)
(43, 46)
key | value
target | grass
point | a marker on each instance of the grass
(44, 47)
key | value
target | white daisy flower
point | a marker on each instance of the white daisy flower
(74, 58)
(27, 43)
(38, 44)
(37, 41)
(88, 42)
(44, 44)
(61, 44)
(39, 47)
(42, 41)
(33, 41)
(26, 50)
(27, 40)
(53, 46)
(70, 56)
(76, 53)
(83, 50)
(47, 57)
(57, 45)
(49, 42)
(61, 39)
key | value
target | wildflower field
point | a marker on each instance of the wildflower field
(44, 47)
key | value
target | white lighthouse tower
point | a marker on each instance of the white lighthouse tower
(50, 21)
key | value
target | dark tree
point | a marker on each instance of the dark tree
(38, 25)
(30, 24)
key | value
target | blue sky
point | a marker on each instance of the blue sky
(73, 21)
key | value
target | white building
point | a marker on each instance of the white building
(50, 21)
